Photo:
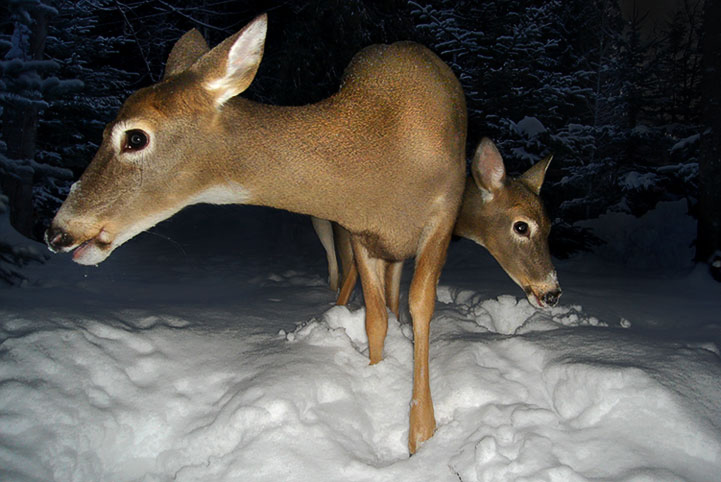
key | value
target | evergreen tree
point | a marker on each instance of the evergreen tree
(525, 89)
(619, 113)
(579, 80)
(25, 84)
(71, 126)
(708, 247)
(14, 252)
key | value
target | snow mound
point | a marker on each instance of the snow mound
(139, 396)
(546, 424)
(509, 315)
(196, 380)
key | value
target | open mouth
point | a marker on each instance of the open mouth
(87, 247)
(534, 299)
(547, 299)
(94, 250)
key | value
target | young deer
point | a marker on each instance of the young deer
(503, 214)
(383, 157)
(324, 229)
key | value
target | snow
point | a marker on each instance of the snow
(635, 181)
(685, 143)
(660, 239)
(530, 127)
(211, 350)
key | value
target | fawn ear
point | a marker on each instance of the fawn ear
(229, 68)
(533, 177)
(189, 48)
(487, 168)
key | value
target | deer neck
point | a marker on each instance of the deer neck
(276, 156)
(470, 216)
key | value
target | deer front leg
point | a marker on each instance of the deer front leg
(350, 272)
(346, 289)
(422, 303)
(393, 286)
(372, 274)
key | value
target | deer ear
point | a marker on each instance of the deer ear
(487, 167)
(533, 177)
(189, 48)
(229, 68)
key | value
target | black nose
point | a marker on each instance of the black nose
(57, 239)
(551, 298)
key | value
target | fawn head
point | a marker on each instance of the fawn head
(506, 216)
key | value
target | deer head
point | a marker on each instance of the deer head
(506, 216)
(160, 153)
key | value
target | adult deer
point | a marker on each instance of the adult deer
(383, 157)
(503, 214)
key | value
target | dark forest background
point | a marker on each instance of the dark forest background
(629, 107)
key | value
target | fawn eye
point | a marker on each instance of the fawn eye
(135, 140)
(521, 228)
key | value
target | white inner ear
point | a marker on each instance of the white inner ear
(486, 195)
(244, 55)
(496, 174)
(246, 51)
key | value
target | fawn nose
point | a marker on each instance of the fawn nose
(57, 239)
(551, 298)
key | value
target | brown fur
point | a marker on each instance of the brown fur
(489, 222)
(384, 158)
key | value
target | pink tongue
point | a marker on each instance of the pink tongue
(81, 250)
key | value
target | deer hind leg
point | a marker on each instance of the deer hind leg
(372, 274)
(346, 289)
(393, 286)
(422, 298)
(350, 272)
(324, 230)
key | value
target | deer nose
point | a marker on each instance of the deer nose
(551, 298)
(57, 239)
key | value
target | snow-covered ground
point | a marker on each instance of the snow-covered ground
(210, 350)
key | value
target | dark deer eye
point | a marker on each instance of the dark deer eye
(135, 140)
(521, 228)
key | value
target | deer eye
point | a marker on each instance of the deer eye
(520, 227)
(135, 140)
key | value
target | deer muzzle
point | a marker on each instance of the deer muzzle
(551, 298)
(545, 293)
(88, 250)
